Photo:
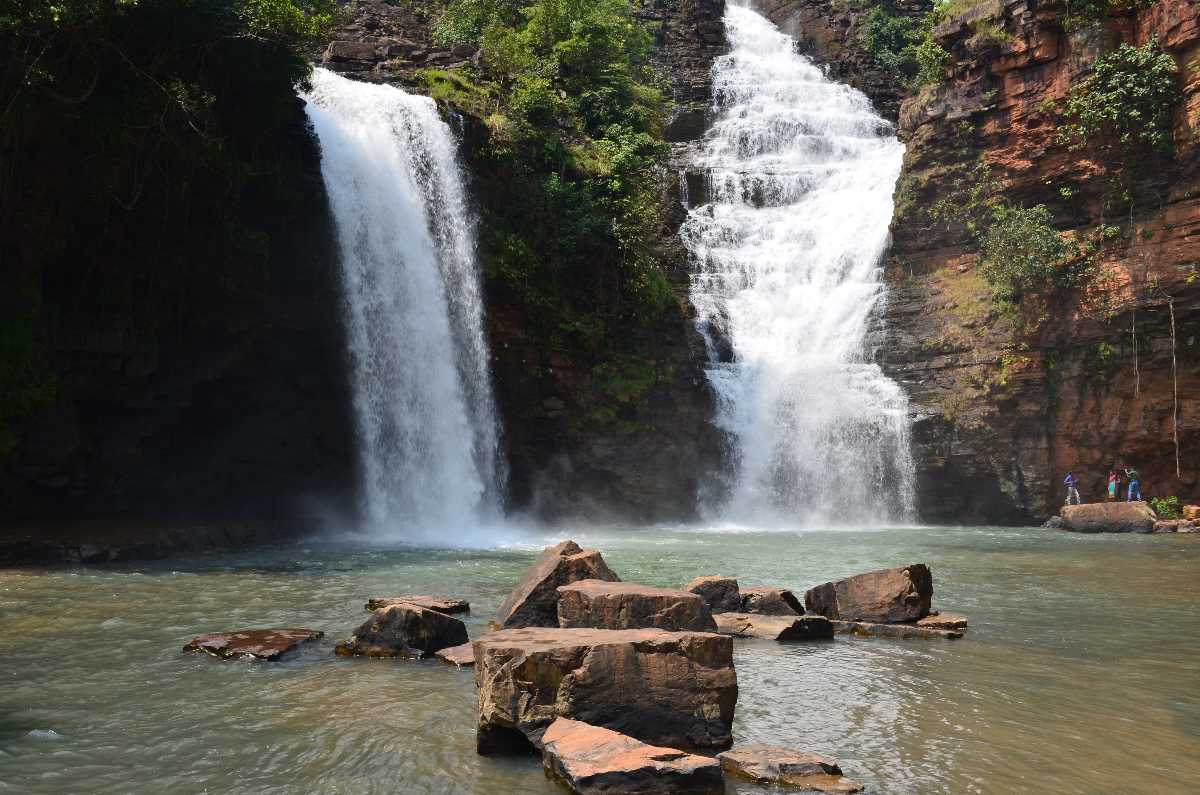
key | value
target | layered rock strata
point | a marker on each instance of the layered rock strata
(677, 689)
(592, 760)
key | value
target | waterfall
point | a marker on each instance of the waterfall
(787, 284)
(414, 316)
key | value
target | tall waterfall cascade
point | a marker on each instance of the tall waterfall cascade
(787, 284)
(422, 395)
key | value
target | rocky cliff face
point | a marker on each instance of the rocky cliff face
(196, 349)
(830, 32)
(1003, 407)
(625, 432)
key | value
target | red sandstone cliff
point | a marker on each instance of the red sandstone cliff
(1005, 408)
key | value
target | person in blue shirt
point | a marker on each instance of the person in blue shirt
(1135, 484)
(1072, 488)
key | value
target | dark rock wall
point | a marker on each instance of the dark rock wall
(199, 374)
(1002, 413)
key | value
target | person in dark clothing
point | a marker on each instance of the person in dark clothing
(1072, 488)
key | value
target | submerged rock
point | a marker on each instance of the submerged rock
(624, 605)
(591, 759)
(913, 630)
(940, 620)
(720, 593)
(404, 630)
(1108, 517)
(534, 601)
(462, 655)
(885, 596)
(676, 689)
(440, 604)
(756, 625)
(770, 601)
(769, 764)
(259, 644)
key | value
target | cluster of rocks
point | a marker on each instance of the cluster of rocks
(624, 687)
(1123, 517)
(386, 38)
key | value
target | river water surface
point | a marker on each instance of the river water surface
(1080, 673)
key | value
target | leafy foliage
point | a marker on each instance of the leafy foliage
(577, 140)
(1021, 252)
(1166, 507)
(1128, 99)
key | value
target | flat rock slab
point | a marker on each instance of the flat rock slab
(592, 760)
(754, 625)
(768, 764)
(770, 601)
(601, 604)
(534, 602)
(404, 630)
(463, 655)
(942, 620)
(893, 630)
(1108, 517)
(676, 689)
(258, 644)
(440, 604)
(720, 593)
(885, 596)
(1175, 526)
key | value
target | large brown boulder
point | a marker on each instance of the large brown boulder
(404, 630)
(592, 760)
(534, 602)
(721, 593)
(768, 764)
(770, 601)
(442, 604)
(755, 625)
(625, 605)
(257, 644)
(676, 689)
(886, 596)
(1109, 517)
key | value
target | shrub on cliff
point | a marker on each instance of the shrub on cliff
(577, 143)
(1127, 101)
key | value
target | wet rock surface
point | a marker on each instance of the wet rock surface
(462, 655)
(1108, 517)
(770, 601)
(768, 764)
(756, 625)
(677, 689)
(440, 604)
(404, 630)
(624, 605)
(901, 631)
(534, 600)
(885, 596)
(592, 760)
(720, 593)
(943, 620)
(259, 644)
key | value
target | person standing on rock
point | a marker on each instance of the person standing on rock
(1113, 482)
(1072, 488)
(1135, 484)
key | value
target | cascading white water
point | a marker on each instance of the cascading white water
(422, 395)
(786, 252)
